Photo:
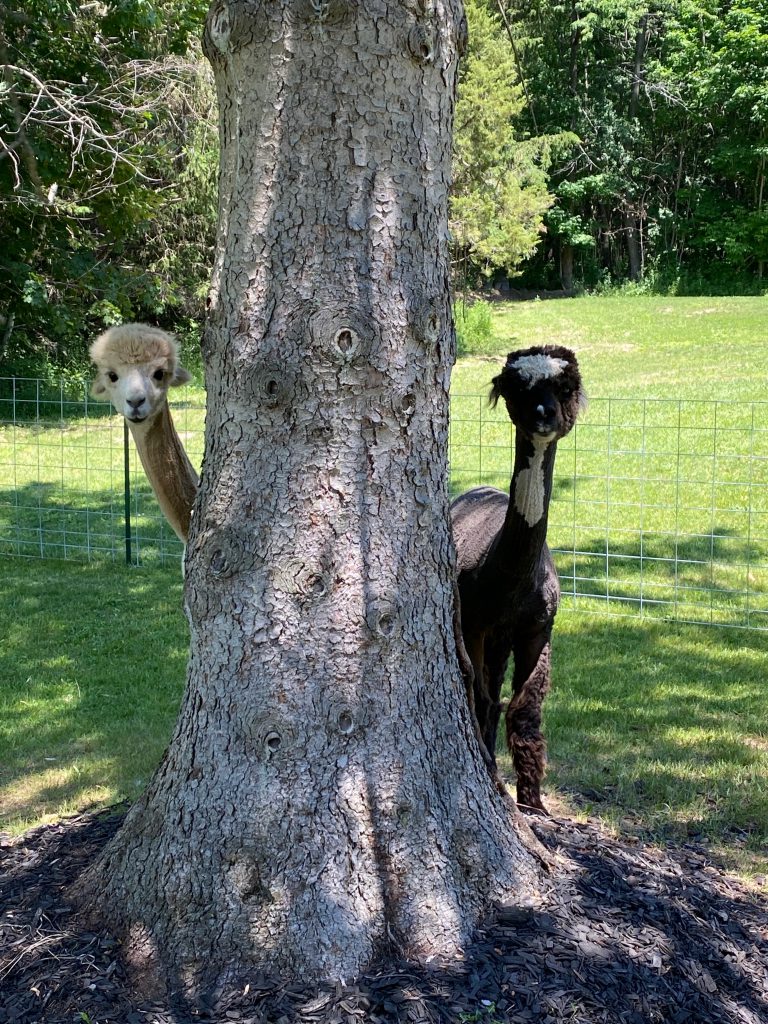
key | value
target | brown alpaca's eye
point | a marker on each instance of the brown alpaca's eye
(158, 374)
(112, 376)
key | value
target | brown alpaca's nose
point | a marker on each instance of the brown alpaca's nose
(546, 414)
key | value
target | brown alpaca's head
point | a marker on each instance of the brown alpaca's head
(136, 365)
(541, 387)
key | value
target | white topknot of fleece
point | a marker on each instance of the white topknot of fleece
(532, 369)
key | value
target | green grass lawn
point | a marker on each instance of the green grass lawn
(62, 481)
(711, 349)
(661, 502)
(658, 729)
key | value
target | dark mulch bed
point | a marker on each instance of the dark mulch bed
(626, 934)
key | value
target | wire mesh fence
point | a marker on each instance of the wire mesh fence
(62, 477)
(660, 507)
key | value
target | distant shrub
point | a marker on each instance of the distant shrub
(473, 326)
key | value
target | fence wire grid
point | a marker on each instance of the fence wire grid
(659, 506)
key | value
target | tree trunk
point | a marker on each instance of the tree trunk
(632, 233)
(323, 799)
(632, 225)
(566, 266)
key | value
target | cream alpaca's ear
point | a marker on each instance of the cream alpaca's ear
(98, 388)
(181, 376)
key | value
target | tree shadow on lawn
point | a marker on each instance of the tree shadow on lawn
(621, 933)
(64, 520)
(709, 577)
(662, 722)
(92, 660)
(646, 718)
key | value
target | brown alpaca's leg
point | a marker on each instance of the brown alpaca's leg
(496, 666)
(523, 719)
(476, 652)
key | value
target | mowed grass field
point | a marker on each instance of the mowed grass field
(658, 727)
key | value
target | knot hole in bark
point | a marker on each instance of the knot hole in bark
(462, 35)
(315, 586)
(325, 12)
(347, 343)
(404, 407)
(229, 27)
(272, 743)
(223, 551)
(421, 43)
(266, 736)
(381, 617)
(428, 323)
(404, 812)
(346, 723)
(305, 582)
(333, 333)
(267, 387)
(219, 27)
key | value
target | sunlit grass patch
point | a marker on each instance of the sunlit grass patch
(62, 481)
(656, 728)
(663, 729)
(92, 661)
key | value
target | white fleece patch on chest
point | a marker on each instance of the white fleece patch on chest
(529, 486)
(532, 369)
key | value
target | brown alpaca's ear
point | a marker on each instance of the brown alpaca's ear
(495, 392)
(180, 376)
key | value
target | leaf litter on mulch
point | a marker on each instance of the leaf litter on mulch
(625, 933)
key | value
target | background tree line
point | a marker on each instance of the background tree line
(596, 143)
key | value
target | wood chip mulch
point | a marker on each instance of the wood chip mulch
(626, 933)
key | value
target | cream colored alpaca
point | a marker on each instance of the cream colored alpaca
(136, 365)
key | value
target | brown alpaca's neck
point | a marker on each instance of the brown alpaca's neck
(524, 533)
(168, 469)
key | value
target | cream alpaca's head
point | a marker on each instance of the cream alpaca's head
(136, 365)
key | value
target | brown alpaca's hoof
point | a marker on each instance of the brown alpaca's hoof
(530, 804)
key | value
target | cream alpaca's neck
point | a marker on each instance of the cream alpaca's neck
(168, 469)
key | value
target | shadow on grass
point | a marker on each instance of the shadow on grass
(660, 721)
(709, 577)
(92, 659)
(663, 726)
(62, 520)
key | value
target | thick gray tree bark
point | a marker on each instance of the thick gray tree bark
(322, 800)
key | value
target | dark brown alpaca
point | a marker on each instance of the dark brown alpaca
(507, 581)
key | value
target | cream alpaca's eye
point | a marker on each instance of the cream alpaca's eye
(112, 376)
(158, 374)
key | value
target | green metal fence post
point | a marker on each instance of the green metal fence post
(127, 479)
